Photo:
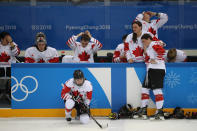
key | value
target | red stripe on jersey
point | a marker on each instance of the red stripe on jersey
(155, 38)
(159, 97)
(144, 96)
(93, 46)
(126, 47)
(54, 60)
(68, 110)
(116, 54)
(159, 50)
(64, 91)
(147, 58)
(157, 21)
(29, 60)
(89, 95)
(18, 50)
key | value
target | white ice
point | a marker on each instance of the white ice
(60, 124)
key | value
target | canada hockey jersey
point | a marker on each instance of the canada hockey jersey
(33, 55)
(119, 53)
(84, 54)
(153, 25)
(156, 52)
(7, 54)
(84, 91)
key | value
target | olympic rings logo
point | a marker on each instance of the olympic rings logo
(23, 87)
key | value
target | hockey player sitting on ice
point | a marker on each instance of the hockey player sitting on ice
(175, 55)
(83, 50)
(40, 52)
(119, 54)
(155, 65)
(77, 93)
(152, 26)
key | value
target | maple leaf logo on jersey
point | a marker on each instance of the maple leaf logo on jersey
(4, 57)
(151, 30)
(84, 56)
(138, 52)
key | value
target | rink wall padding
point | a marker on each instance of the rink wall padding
(37, 87)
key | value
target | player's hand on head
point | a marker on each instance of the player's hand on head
(88, 33)
(81, 33)
(151, 13)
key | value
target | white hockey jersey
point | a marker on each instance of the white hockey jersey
(180, 57)
(84, 91)
(156, 52)
(33, 55)
(7, 55)
(118, 53)
(81, 54)
(133, 50)
(154, 25)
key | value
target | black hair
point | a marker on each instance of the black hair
(85, 37)
(124, 37)
(147, 36)
(4, 34)
(134, 34)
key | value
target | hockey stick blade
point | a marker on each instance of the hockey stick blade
(101, 126)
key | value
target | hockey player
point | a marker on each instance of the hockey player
(133, 44)
(77, 93)
(8, 51)
(152, 26)
(175, 55)
(83, 50)
(155, 65)
(40, 52)
(119, 54)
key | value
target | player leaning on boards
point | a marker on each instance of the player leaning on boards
(152, 26)
(175, 55)
(155, 66)
(119, 54)
(77, 93)
(40, 52)
(83, 50)
(133, 45)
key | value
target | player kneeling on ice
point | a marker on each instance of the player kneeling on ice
(155, 66)
(77, 93)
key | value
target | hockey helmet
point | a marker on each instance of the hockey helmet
(41, 37)
(78, 74)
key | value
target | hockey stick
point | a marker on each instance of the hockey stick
(101, 126)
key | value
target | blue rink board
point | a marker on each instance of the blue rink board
(179, 86)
